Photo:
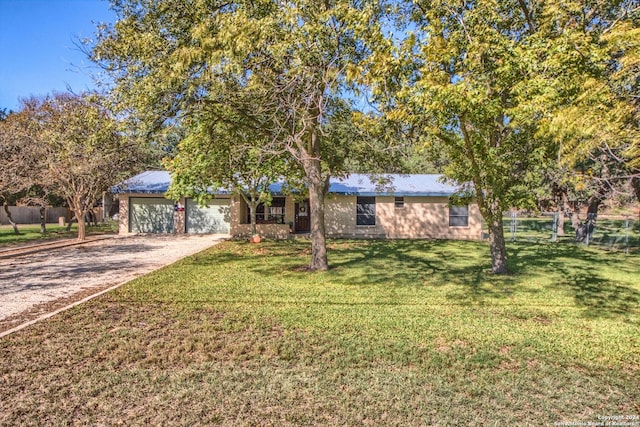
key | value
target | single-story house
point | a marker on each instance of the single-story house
(390, 206)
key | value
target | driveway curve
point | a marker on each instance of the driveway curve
(34, 284)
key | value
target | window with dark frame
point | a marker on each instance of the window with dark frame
(459, 216)
(399, 202)
(366, 211)
(272, 214)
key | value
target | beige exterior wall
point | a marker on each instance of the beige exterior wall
(235, 210)
(421, 217)
(123, 214)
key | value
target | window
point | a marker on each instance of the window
(273, 214)
(399, 202)
(366, 211)
(458, 216)
(276, 213)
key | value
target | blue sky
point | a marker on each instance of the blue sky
(37, 51)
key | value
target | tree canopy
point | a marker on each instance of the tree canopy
(75, 149)
(500, 90)
(178, 58)
(502, 87)
(222, 151)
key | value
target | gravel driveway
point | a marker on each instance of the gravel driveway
(34, 284)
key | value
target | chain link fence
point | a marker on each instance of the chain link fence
(612, 232)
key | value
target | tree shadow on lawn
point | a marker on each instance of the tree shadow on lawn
(410, 264)
(382, 262)
(399, 263)
(603, 298)
(579, 272)
(457, 268)
(464, 267)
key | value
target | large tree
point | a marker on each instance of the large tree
(490, 82)
(20, 154)
(80, 152)
(222, 150)
(170, 57)
(593, 68)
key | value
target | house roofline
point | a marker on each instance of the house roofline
(157, 183)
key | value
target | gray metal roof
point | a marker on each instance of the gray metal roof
(157, 182)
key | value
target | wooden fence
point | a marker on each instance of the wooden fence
(31, 215)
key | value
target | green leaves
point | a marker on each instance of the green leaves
(73, 148)
(500, 85)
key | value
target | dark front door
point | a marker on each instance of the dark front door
(303, 220)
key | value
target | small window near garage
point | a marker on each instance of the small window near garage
(458, 216)
(366, 211)
(399, 202)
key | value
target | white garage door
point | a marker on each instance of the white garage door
(150, 215)
(214, 218)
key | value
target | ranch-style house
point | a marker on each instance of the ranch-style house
(389, 206)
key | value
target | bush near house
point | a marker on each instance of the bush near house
(395, 333)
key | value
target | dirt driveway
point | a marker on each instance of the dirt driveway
(38, 283)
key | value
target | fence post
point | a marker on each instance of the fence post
(586, 239)
(590, 226)
(626, 236)
(554, 228)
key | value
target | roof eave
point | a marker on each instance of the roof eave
(398, 194)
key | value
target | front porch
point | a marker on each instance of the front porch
(283, 218)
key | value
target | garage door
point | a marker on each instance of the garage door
(150, 215)
(214, 218)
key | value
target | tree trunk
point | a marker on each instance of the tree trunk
(253, 206)
(635, 184)
(560, 230)
(10, 218)
(561, 213)
(316, 206)
(70, 222)
(43, 220)
(497, 246)
(575, 215)
(82, 232)
(592, 216)
(252, 203)
(594, 204)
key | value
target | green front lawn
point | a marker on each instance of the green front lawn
(396, 333)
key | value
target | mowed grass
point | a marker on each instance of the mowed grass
(30, 233)
(396, 333)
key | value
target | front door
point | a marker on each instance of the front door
(303, 222)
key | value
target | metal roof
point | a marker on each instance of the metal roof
(157, 182)
(150, 182)
(392, 185)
